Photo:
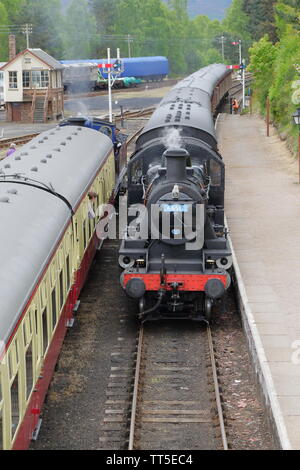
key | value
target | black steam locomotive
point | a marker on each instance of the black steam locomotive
(175, 254)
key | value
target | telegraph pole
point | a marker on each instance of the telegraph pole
(27, 29)
(222, 42)
(129, 45)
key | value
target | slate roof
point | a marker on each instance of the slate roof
(40, 54)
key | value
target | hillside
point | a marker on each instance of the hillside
(214, 9)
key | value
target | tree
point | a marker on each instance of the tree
(205, 47)
(261, 18)
(4, 37)
(285, 74)
(79, 36)
(180, 8)
(104, 12)
(287, 14)
(263, 56)
(46, 18)
(12, 8)
(275, 67)
(236, 27)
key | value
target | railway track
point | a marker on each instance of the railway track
(139, 87)
(128, 115)
(4, 143)
(173, 364)
(238, 86)
(170, 398)
(157, 387)
(107, 375)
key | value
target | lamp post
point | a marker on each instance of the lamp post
(296, 117)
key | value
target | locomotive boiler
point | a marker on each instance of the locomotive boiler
(174, 254)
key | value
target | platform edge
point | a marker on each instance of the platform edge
(259, 360)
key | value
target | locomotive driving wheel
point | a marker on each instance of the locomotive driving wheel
(208, 308)
(142, 304)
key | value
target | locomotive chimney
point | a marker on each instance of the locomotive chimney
(176, 164)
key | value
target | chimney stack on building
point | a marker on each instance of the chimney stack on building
(12, 46)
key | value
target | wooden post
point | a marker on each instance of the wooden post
(268, 116)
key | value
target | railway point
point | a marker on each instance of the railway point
(262, 207)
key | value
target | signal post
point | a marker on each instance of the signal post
(112, 70)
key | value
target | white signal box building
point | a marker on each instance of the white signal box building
(33, 87)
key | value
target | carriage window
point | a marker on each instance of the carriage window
(68, 273)
(215, 172)
(45, 330)
(61, 289)
(29, 371)
(54, 309)
(84, 235)
(15, 411)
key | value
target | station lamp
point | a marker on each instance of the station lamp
(296, 117)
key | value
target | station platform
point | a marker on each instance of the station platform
(263, 214)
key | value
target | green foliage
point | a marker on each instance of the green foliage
(236, 26)
(276, 68)
(47, 23)
(79, 37)
(285, 74)
(236, 21)
(3, 37)
(180, 8)
(263, 56)
(104, 13)
(260, 14)
(143, 27)
(287, 14)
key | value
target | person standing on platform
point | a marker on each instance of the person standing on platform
(235, 106)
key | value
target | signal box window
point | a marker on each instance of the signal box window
(26, 79)
(40, 78)
(13, 79)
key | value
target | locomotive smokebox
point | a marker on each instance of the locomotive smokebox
(176, 164)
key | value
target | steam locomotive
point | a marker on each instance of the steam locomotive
(175, 255)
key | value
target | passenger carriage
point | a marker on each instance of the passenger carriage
(48, 241)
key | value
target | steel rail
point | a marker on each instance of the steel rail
(134, 136)
(17, 140)
(4, 143)
(217, 392)
(136, 389)
(135, 114)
